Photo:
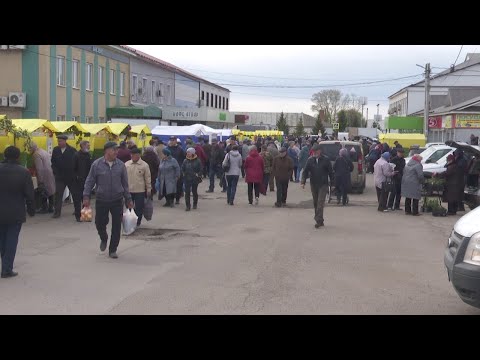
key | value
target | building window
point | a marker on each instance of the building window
(75, 74)
(100, 79)
(76, 118)
(112, 82)
(223, 102)
(208, 99)
(89, 119)
(216, 101)
(211, 100)
(101, 119)
(160, 96)
(144, 88)
(154, 90)
(61, 70)
(122, 84)
(134, 86)
(168, 95)
(89, 76)
(60, 117)
(227, 104)
(203, 95)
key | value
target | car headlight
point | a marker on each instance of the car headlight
(472, 254)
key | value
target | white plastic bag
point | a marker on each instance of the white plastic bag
(129, 222)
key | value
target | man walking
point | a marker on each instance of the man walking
(16, 192)
(282, 170)
(82, 164)
(179, 155)
(109, 174)
(216, 157)
(63, 168)
(139, 182)
(273, 150)
(319, 169)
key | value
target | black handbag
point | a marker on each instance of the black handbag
(389, 185)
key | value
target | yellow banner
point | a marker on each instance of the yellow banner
(468, 121)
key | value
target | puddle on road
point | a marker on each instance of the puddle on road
(146, 234)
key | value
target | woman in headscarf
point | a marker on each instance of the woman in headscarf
(168, 175)
(151, 158)
(412, 181)
(342, 168)
(192, 174)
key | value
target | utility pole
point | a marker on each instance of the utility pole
(367, 115)
(427, 98)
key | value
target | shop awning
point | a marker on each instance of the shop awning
(32, 125)
(117, 128)
(135, 112)
(95, 128)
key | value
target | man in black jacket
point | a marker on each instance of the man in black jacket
(16, 191)
(179, 155)
(82, 164)
(319, 169)
(63, 162)
(216, 157)
(399, 161)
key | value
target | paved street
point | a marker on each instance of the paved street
(243, 259)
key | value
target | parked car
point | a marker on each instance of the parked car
(415, 149)
(462, 258)
(433, 153)
(358, 175)
(439, 165)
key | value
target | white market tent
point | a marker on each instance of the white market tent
(194, 131)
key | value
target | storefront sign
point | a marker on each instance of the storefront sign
(468, 121)
(222, 117)
(177, 113)
(435, 122)
(447, 122)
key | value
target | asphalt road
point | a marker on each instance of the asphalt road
(243, 259)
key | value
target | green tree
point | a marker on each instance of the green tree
(318, 126)
(349, 118)
(299, 129)
(282, 124)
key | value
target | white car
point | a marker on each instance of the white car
(433, 153)
(439, 165)
(462, 257)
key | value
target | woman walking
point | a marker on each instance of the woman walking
(168, 175)
(342, 168)
(254, 174)
(233, 160)
(412, 181)
(268, 163)
(151, 158)
(192, 175)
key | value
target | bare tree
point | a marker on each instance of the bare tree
(329, 101)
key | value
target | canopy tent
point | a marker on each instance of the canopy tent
(406, 140)
(97, 135)
(141, 134)
(182, 132)
(74, 130)
(118, 129)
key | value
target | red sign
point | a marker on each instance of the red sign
(435, 122)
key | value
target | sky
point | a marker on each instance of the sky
(275, 78)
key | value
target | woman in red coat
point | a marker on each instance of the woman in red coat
(254, 174)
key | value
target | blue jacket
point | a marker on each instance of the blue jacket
(293, 155)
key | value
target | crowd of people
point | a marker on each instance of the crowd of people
(124, 177)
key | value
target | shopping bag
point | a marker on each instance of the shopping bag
(129, 222)
(263, 189)
(148, 209)
(86, 214)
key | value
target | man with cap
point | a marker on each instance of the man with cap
(139, 182)
(109, 174)
(395, 195)
(191, 170)
(179, 155)
(63, 166)
(82, 165)
(381, 172)
(216, 157)
(319, 169)
(17, 194)
(282, 170)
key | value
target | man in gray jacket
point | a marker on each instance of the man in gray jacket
(273, 150)
(110, 176)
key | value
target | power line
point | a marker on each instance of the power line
(458, 55)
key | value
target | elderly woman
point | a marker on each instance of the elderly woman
(151, 158)
(454, 177)
(45, 179)
(412, 181)
(382, 172)
(343, 167)
(168, 175)
(192, 175)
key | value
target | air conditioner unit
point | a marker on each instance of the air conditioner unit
(3, 101)
(17, 99)
(19, 47)
(159, 93)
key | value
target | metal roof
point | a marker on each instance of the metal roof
(169, 66)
